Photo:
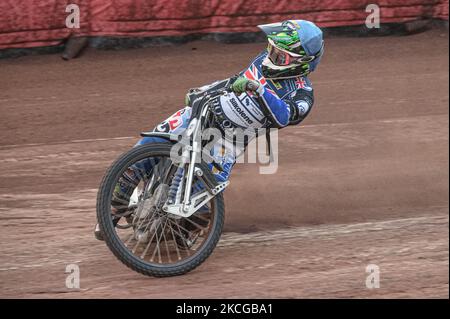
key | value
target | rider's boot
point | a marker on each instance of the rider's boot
(98, 233)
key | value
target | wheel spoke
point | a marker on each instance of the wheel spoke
(175, 243)
(182, 228)
(153, 236)
(149, 223)
(167, 246)
(158, 238)
(199, 216)
(148, 245)
(194, 223)
(139, 240)
(185, 243)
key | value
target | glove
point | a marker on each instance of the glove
(243, 84)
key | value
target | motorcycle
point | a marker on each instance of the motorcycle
(160, 216)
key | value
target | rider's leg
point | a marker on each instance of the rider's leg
(175, 124)
(129, 180)
(224, 153)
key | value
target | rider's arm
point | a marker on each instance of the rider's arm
(271, 105)
(277, 110)
(300, 105)
(281, 112)
(290, 111)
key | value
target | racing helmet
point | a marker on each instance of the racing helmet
(295, 48)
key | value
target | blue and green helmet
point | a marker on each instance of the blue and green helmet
(295, 48)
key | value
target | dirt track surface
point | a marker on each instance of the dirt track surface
(363, 181)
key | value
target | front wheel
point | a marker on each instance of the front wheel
(138, 232)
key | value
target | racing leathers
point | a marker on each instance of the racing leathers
(276, 104)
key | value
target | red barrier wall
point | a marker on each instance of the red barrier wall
(30, 23)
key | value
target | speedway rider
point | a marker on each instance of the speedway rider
(273, 92)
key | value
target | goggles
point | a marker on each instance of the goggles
(282, 57)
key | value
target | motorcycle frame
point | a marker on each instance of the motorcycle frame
(189, 158)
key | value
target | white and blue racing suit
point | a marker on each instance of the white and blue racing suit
(279, 103)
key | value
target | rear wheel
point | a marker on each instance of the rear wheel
(138, 232)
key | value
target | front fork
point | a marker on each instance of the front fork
(190, 173)
(189, 158)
